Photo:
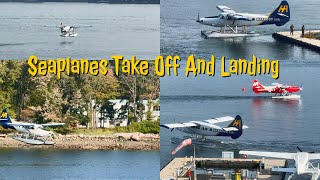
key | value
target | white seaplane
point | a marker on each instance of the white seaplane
(67, 31)
(302, 162)
(210, 128)
(31, 133)
(229, 21)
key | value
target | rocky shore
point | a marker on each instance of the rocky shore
(118, 141)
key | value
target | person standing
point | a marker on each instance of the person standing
(291, 29)
(302, 31)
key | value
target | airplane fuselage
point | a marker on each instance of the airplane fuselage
(224, 20)
(36, 130)
(202, 131)
(277, 90)
(301, 162)
(207, 129)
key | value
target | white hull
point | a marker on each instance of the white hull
(70, 35)
(227, 34)
(293, 96)
(33, 141)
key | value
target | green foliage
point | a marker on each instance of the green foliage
(145, 127)
(44, 99)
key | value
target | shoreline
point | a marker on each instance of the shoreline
(117, 141)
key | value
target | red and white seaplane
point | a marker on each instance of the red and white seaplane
(281, 91)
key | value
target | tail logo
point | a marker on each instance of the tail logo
(283, 8)
(4, 115)
(236, 123)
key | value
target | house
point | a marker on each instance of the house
(105, 122)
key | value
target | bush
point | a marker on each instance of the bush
(145, 127)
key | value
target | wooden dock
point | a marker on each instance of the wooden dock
(296, 38)
(171, 169)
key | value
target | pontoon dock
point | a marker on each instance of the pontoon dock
(311, 43)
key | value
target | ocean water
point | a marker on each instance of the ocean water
(275, 125)
(122, 29)
(76, 164)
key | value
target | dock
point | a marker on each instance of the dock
(307, 41)
(176, 168)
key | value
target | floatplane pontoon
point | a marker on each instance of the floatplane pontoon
(228, 32)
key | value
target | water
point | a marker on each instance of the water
(275, 125)
(116, 29)
(73, 164)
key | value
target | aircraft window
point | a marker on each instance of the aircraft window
(203, 128)
(210, 129)
(206, 128)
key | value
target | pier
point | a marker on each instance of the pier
(207, 168)
(309, 41)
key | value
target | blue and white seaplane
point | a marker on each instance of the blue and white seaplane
(31, 133)
(209, 127)
(229, 21)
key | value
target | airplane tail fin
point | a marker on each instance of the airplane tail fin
(237, 123)
(5, 118)
(256, 86)
(281, 15)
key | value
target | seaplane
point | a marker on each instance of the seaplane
(67, 31)
(31, 133)
(302, 162)
(202, 129)
(229, 21)
(281, 91)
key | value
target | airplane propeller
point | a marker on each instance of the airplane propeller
(198, 20)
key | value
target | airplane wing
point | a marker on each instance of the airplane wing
(314, 156)
(20, 124)
(225, 9)
(219, 120)
(53, 26)
(52, 124)
(288, 170)
(81, 26)
(177, 125)
(281, 155)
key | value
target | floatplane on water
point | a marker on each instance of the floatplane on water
(229, 21)
(210, 127)
(281, 91)
(31, 133)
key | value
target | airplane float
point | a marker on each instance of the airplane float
(67, 31)
(32, 132)
(209, 127)
(302, 162)
(284, 91)
(229, 21)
